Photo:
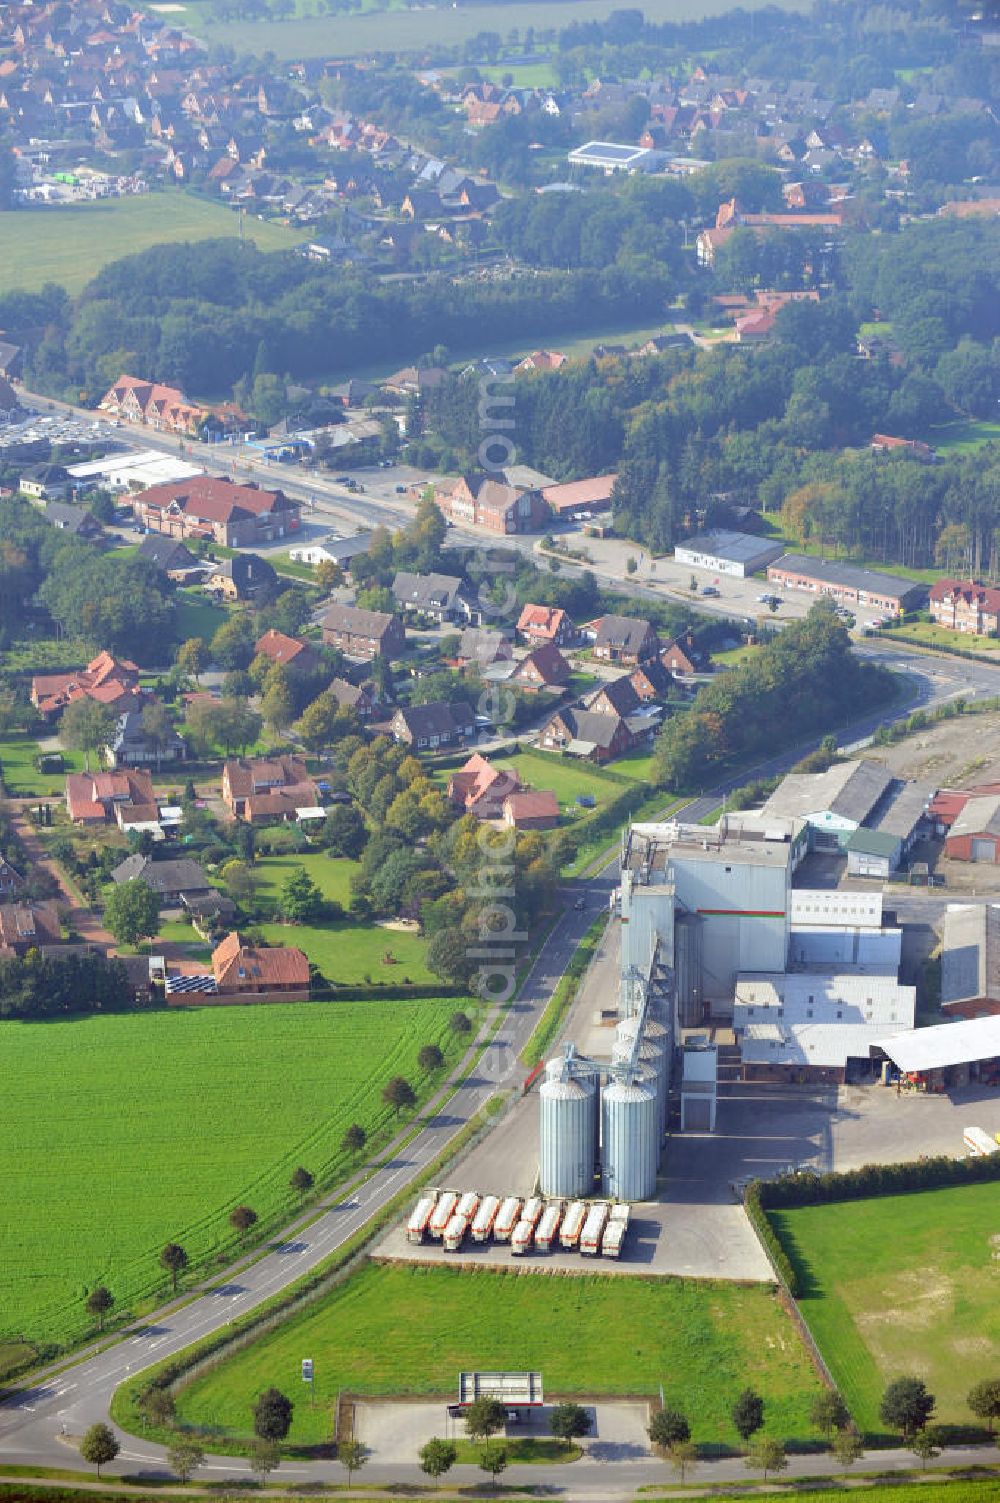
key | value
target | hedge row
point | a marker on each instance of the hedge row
(769, 1239)
(811, 1189)
(381, 991)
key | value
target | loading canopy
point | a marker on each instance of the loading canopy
(946, 1044)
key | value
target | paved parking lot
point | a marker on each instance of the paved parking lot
(394, 1432)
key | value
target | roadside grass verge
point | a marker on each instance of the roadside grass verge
(563, 997)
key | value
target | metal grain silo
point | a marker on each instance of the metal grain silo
(630, 1134)
(567, 1130)
(649, 1059)
(656, 1037)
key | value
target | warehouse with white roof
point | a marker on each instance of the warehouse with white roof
(949, 1054)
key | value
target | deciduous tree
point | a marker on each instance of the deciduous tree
(747, 1414)
(301, 1181)
(132, 911)
(906, 1406)
(669, 1426)
(430, 1058)
(242, 1218)
(984, 1401)
(399, 1094)
(766, 1454)
(437, 1457)
(174, 1259)
(828, 1412)
(99, 1446)
(193, 657)
(569, 1421)
(272, 1415)
(86, 726)
(354, 1140)
(352, 1456)
(184, 1458)
(264, 1458)
(99, 1302)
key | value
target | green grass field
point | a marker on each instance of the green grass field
(409, 30)
(929, 635)
(564, 777)
(70, 245)
(197, 615)
(160, 1123)
(963, 438)
(347, 952)
(902, 1284)
(21, 777)
(410, 1330)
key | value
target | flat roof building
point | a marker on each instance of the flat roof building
(725, 552)
(921, 1051)
(611, 157)
(833, 803)
(817, 1021)
(847, 583)
(970, 960)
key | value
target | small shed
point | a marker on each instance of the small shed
(873, 853)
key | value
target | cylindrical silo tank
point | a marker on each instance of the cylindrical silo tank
(630, 1139)
(650, 1059)
(656, 1035)
(567, 1132)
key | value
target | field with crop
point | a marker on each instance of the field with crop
(902, 1284)
(412, 1329)
(70, 244)
(125, 1132)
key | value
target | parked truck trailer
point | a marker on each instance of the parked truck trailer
(485, 1217)
(548, 1226)
(442, 1214)
(572, 1225)
(593, 1229)
(979, 1143)
(508, 1216)
(533, 1209)
(521, 1238)
(614, 1232)
(421, 1215)
(467, 1206)
(454, 1232)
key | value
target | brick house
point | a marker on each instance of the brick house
(479, 788)
(261, 788)
(287, 651)
(11, 881)
(125, 796)
(242, 577)
(27, 926)
(968, 607)
(625, 639)
(651, 681)
(681, 656)
(241, 970)
(584, 734)
(531, 810)
(545, 623)
(491, 502)
(430, 726)
(363, 634)
(618, 697)
(152, 404)
(543, 668)
(218, 511)
(107, 680)
(356, 697)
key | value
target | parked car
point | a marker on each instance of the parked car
(709, 589)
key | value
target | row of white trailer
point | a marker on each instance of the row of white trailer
(592, 1228)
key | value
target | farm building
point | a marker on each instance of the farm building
(723, 552)
(834, 803)
(975, 833)
(847, 584)
(970, 960)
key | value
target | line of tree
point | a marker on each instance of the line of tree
(46, 986)
(804, 680)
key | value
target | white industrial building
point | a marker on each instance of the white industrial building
(858, 808)
(819, 1020)
(136, 470)
(717, 908)
(724, 552)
